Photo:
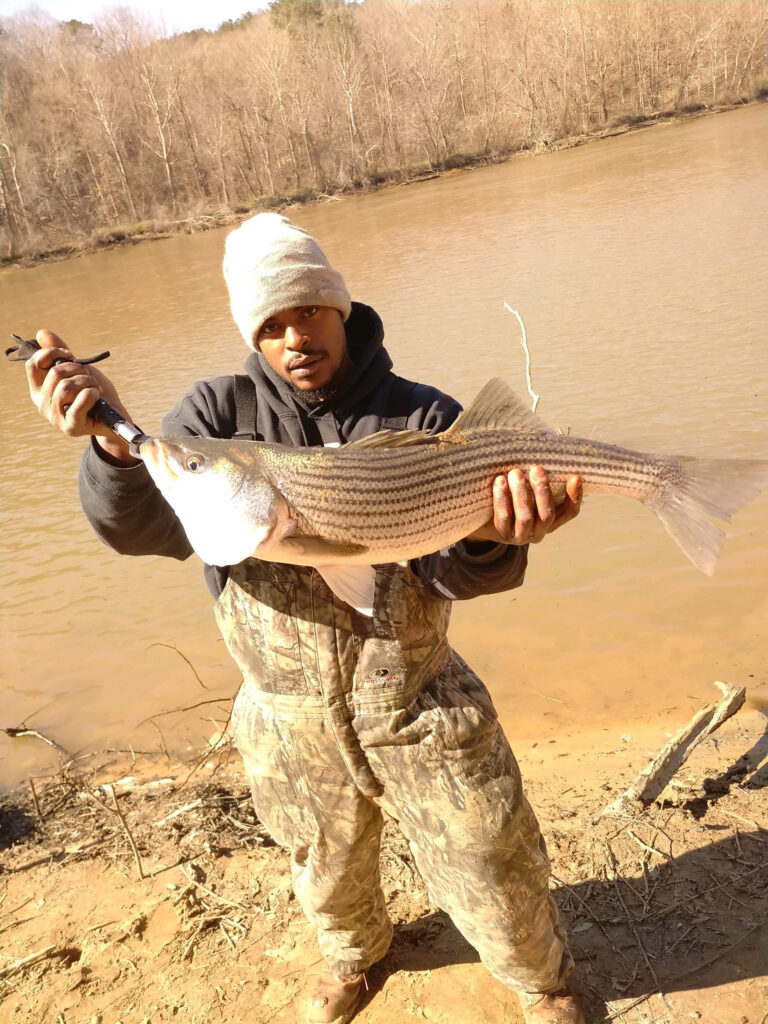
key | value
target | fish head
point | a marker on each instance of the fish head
(218, 490)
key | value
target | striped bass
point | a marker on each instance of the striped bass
(394, 496)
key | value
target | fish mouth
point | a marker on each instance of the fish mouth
(163, 454)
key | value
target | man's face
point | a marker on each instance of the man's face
(306, 345)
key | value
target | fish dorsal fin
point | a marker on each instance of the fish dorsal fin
(496, 405)
(393, 439)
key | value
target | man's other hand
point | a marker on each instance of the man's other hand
(525, 509)
(65, 393)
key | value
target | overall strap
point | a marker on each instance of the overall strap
(395, 422)
(245, 407)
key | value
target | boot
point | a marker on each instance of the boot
(334, 1000)
(551, 1008)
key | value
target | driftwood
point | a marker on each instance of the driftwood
(33, 958)
(655, 776)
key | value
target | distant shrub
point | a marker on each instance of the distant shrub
(107, 236)
(458, 160)
(626, 120)
(302, 195)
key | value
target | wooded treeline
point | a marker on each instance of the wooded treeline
(113, 124)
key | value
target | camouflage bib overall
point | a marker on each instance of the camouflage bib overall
(339, 716)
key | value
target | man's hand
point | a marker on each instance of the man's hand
(64, 395)
(525, 510)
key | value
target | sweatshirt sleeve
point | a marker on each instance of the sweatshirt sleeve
(122, 503)
(456, 572)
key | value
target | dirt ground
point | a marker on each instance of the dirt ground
(666, 907)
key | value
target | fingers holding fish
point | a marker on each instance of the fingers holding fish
(533, 505)
(546, 507)
(525, 509)
(514, 508)
(570, 507)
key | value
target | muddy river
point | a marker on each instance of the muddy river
(638, 265)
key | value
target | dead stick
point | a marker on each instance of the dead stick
(655, 776)
(210, 892)
(722, 952)
(162, 738)
(22, 731)
(187, 707)
(631, 923)
(637, 1002)
(697, 895)
(226, 934)
(21, 920)
(178, 811)
(172, 647)
(36, 801)
(27, 961)
(524, 343)
(127, 831)
(650, 849)
(590, 914)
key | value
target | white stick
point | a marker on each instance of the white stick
(524, 343)
(655, 776)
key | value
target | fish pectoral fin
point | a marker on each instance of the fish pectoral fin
(394, 439)
(355, 584)
(320, 547)
(496, 405)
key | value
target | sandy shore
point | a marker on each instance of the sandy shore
(177, 906)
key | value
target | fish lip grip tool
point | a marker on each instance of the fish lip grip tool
(102, 411)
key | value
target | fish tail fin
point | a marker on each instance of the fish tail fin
(706, 487)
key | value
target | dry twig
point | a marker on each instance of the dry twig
(23, 731)
(173, 647)
(32, 958)
(524, 342)
(127, 831)
(630, 920)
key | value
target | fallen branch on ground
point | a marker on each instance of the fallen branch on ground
(655, 776)
(33, 958)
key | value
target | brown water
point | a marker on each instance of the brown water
(639, 267)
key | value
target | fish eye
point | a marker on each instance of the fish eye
(194, 462)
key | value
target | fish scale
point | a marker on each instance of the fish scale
(396, 496)
(407, 490)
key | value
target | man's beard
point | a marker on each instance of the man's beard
(310, 398)
(313, 397)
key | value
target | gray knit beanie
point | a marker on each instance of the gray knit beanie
(271, 265)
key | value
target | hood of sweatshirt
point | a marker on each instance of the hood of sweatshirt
(370, 366)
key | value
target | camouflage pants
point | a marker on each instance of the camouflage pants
(325, 758)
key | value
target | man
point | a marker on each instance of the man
(341, 715)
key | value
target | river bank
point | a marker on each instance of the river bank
(109, 237)
(145, 891)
